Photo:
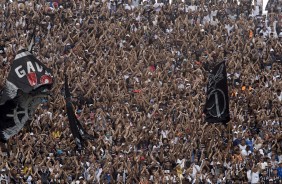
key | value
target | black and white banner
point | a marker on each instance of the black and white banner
(27, 84)
(217, 100)
(15, 114)
(27, 75)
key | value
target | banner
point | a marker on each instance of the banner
(76, 128)
(27, 85)
(27, 74)
(217, 100)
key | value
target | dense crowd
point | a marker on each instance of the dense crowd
(138, 75)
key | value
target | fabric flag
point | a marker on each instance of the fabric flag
(76, 128)
(27, 84)
(217, 100)
(27, 74)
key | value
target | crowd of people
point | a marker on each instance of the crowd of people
(138, 73)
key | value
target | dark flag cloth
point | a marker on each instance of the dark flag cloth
(76, 128)
(28, 75)
(217, 100)
(32, 40)
(27, 84)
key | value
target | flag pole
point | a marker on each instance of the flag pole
(229, 131)
(32, 40)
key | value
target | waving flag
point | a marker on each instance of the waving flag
(27, 84)
(217, 100)
(76, 128)
(27, 74)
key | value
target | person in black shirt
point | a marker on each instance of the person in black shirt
(44, 173)
(275, 178)
(264, 178)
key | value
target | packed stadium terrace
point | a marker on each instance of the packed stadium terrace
(138, 75)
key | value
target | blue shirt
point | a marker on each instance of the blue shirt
(250, 144)
(236, 142)
(279, 171)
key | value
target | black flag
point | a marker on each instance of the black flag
(76, 128)
(27, 84)
(217, 101)
(27, 74)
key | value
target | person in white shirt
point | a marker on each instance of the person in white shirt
(206, 19)
(254, 175)
(262, 164)
(258, 143)
(181, 161)
(229, 27)
(195, 170)
(255, 11)
(249, 173)
(246, 152)
(265, 31)
(243, 145)
(259, 4)
(279, 95)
